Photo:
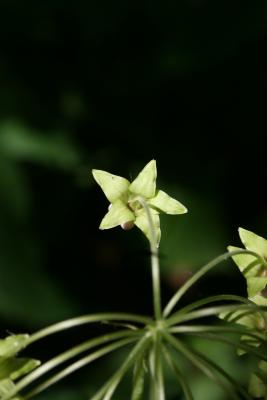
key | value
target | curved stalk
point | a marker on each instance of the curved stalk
(180, 292)
(211, 299)
(248, 349)
(72, 368)
(87, 319)
(221, 371)
(200, 364)
(209, 311)
(71, 353)
(180, 377)
(154, 262)
(107, 390)
(191, 329)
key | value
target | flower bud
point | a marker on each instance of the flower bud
(126, 226)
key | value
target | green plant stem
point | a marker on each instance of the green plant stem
(191, 329)
(87, 319)
(73, 352)
(179, 375)
(70, 369)
(157, 391)
(158, 368)
(200, 364)
(139, 372)
(222, 372)
(180, 292)
(218, 338)
(154, 262)
(215, 310)
(107, 390)
(211, 299)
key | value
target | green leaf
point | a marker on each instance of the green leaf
(164, 203)
(6, 386)
(142, 223)
(255, 285)
(11, 345)
(20, 143)
(245, 261)
(113, 186)
(145, 183)
(253, 242)
(14, 368)
(118, 214)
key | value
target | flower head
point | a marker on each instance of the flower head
(125, 207)
(253, 269)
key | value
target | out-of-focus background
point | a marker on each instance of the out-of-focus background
(110, 86)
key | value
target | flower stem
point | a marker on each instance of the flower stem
(180, 292)
(87, 319)
(154, 262)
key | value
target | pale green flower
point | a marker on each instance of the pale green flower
(253, 269)
(125, 208)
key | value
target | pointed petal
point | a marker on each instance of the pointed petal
(255, 285)
(245, 262)
(113, 186)
(118, 214)
(253, 242)
(145, 183)
(142, 223)
(165, 203)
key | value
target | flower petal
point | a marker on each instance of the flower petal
(113, 186)
(165, 203)
(244, 261)
(255, 285)
(253, 242)
(118, 214)
(142, 223)
(145, 183)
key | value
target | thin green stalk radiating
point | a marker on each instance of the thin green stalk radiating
(74, 367)
(180, 292)
(211, 311)
(179, 375)
(107, 390)
(88, 319)
(200, 364)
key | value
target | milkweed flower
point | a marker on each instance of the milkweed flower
(125, 207)
(253, 269)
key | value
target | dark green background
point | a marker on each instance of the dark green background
(111, 85)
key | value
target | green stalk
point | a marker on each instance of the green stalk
(248, 349)
(200, 364)
(179, 375)
(154, 262)
(87, 319)
(159, 378)
(107, 390)
(221, 371)
(71, 353)
(70, 369)
(139, 372)
(180, 292)
(209, 311)
(190, 329)
(211, 299)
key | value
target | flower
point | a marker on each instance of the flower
(253, 269)
(125, 207)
